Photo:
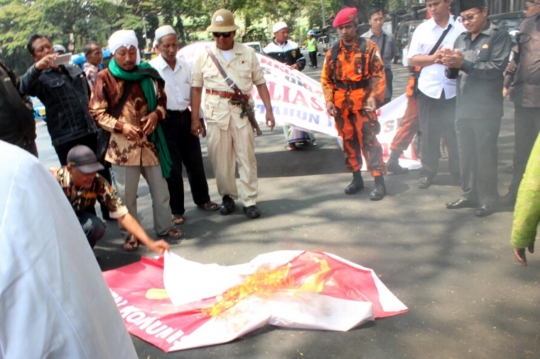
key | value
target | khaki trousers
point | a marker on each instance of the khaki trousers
(225, 149)
(127, 182)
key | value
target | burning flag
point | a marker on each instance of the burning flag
(177, 304)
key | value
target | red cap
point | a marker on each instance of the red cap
(345, 16)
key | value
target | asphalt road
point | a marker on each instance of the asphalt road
(468, 297)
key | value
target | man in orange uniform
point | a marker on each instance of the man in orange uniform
(408, 127)
(353, 81)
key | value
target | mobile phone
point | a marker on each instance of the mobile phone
(62, 59)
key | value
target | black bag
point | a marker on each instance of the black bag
(103, 136)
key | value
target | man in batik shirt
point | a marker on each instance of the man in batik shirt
(83, 187)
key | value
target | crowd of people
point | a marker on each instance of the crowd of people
(146, 118)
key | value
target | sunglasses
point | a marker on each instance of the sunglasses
(224, 34)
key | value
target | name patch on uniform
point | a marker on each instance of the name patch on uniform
(485, 46)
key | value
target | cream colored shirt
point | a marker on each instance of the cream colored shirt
(243, 68)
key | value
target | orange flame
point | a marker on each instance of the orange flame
(263, 282)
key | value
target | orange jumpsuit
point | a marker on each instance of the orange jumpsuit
(355, 125)
(408, 126)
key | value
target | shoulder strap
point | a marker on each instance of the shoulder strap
(127, 90)
(228, 80)
(383, 45)
(439, 42)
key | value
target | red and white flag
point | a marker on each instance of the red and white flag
(177, 304)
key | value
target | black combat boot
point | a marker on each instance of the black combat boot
(356, 185)
(393, 163)
(380, 189)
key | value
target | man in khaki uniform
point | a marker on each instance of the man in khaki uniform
(230, 136)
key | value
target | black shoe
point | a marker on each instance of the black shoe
(483, 211)
(252, 212)
(356, 185)
(394, 167)
(460, 203)
(508, 200)
(424, 182)
(227, 206)
(380, 190)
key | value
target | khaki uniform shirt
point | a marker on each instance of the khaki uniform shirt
(243, 68)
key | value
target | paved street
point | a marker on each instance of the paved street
(468, 297)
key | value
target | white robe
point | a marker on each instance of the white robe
(54, 302)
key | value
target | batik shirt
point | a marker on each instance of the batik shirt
(91, 72)
(82, 199)
(106, 95)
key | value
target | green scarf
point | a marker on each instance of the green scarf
(144, 73)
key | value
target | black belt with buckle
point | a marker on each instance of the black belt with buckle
(349, 86)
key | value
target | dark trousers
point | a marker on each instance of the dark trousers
(437, 118)
(184, 148)
(89, 141)
(389, 88)
(526, 128)
(313, 58)
(92, 226)
(477, 146)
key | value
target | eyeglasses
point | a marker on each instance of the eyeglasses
(470, 17)
(224, 34)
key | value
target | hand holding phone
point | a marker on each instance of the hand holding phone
(62, 59)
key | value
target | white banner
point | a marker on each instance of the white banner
(298, 100)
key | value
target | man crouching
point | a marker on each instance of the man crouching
(83, 187)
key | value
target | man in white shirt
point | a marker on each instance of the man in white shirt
(436, 93)
(288, 52)
(55, 303)
(183, 146)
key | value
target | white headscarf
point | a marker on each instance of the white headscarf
(125, 38)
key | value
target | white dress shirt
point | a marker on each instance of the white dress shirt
(432, 79)
(177, 82)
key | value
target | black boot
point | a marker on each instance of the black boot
(356, 185)
(393, 163)
(380, 189)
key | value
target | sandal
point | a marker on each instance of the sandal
(174, 233)
(291, 147)
(209, 206)
(131, 243)
(178, 219)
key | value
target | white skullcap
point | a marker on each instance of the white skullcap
(163, 31)
(125, 38)
(279, 26)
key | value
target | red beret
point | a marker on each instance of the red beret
(345, 16)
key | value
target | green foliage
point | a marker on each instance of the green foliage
(74, 22)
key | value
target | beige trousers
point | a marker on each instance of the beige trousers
(225, 149)
(127, 182)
